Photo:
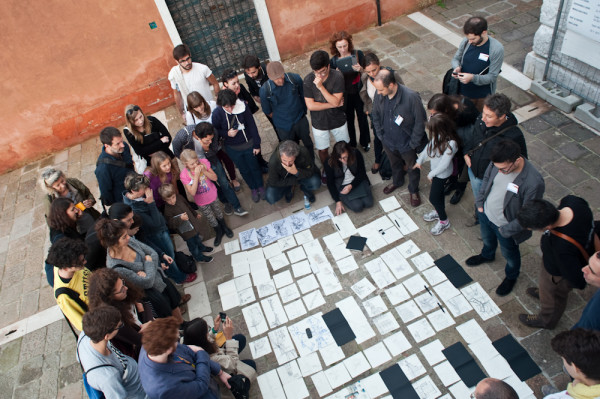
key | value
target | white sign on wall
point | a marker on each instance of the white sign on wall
(584, 18)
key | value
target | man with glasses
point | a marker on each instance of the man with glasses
(324, 97)
(495, 123)
(590, 318)
(189, 76)
(113, 164)
(509, 182)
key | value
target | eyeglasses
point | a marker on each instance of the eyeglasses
(133, 109)
(507, 170)
(119, 326)
(184, 60)
(322, 72)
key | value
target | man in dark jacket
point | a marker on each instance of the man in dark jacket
(399, 120)
(291, 164)
(509, 182)
(113, 164)
(562, 259)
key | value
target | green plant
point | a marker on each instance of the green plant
(441, 3)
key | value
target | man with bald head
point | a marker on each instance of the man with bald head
(399, 121)
(492, 388)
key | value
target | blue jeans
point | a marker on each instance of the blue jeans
(196, 247)
(475, 183)
(307, 186)
(248, 166)
(163, 241)
(224, 185)
(510, 249)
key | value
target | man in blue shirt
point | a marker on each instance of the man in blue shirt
(113, 164)
(282, 98)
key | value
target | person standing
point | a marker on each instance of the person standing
(477, 62)
(189, 76)
(509, 182)
(399, 119)
(146, 134)
(566, 244)
(282, 99)
(113, 164)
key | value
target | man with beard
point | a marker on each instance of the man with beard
(189, 76)
(113, 164)
(477, 62)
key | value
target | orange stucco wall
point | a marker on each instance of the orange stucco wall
(69, 68)
(304, 24)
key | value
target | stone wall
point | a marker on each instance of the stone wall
(568, 72)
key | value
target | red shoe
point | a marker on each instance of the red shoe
(190, 277)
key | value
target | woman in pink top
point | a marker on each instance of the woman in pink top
(197, 178)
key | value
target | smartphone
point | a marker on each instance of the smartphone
(354, 61)
(223, 316)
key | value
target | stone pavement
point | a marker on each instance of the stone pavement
(41, 362)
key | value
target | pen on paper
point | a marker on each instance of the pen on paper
(338, 227)
(441, 307)
(427, 289)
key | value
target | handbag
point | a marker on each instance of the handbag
(240, 386)
(584, 253)
(449, 84)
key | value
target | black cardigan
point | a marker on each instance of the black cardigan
(335, 176)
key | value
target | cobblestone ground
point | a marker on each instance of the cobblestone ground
(42, 363)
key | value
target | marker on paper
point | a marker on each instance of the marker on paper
(441, 307)
(338, 227)
(428, 290)
(397, 223)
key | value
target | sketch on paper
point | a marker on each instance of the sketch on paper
(427, 302)
(303, 237)
(282, 228)
(298, 221)
(246, 296)
(248, 239)
(408, 249)
(279, 261)
(232, 246)
(289, 293)
(266, 288)
(320, 215)
(363, 288)
(266, 235)
(481, 301)
(286, 243)
(421, 330)
(295, 309)
(274, 309)
(260, 347)
(255, 320)
(313, 300)
(375, 306)
(412, 367)
(386, 323)
(282, 344)
(426, 388)
(321, 336)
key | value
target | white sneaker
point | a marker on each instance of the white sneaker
(439, 228)
(431, 216)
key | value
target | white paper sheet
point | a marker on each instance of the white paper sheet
(408, 249)
(229, 295)
(421, 330)
(328, 280)
(422, 261)
(386, 323)
(231, 246)
(434, 275)
(360, 325)
(347, 264)
(242, 282)
(289, 293)
(296, 255)
(298, 222)
(433, 352)
(266, 235)
(521, 387)
(377, 354)
(274, 311)
(309, 364)
(363, 288)
(270, 386)
(260, 347)
(303, 237)
(485, 307)
(396, 263)
(357, 364)
(427, 302)
(397, 343)
(446, 373)
(254, 254)
(339, 251)
(282, 279)
(397, 294)
(272, 250)
(460, 390)
(248, 239)
(483, 349)
(331, 354)
(379, 272)
(246, 296)
(286, 243)
(259, 272)
(344, 225)
(408, 311)
(375, 306)
(412, 367)
(255, 320)
(426, 388)
(446, 290)
(337, 375)
(415, 284)
(239, 269)
(403, 221)
(389, 204)
(314, 252)
(282, 344)
(471, 332)
(352, 390)
(440, 319)
(307, 284)
(313, 300)
(292, 381)
(458, 305)
(267, 288)
(391, 235)
(321, 384)
(374, 385)
(497, 367)
(279, 261)
(320, 215)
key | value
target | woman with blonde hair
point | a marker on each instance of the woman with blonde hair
(146, 134)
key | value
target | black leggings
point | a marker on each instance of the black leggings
(436, 197)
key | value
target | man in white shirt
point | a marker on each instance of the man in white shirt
(189, 76)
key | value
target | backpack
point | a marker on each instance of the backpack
(185, 262)
(450, 84)
(240, 386)
(73, 295)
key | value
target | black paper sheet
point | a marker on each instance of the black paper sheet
(356, 243)
(339, 327)
(517, 357)
(455, 273)
(464, 364)
(397, 383)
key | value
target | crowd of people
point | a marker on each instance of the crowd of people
(115, 273)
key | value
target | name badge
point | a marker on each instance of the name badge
(512, 187)
(398, 120)
(484, 57)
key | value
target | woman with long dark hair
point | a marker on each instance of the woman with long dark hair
(347, 179)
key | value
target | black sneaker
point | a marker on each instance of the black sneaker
(228, 209)
(477, 260)
(505, 287)
(311, 197)
(208, 250)
(206, 259)
(240, 211)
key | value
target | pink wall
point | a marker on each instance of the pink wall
(69, 68)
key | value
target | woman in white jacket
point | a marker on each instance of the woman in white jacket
(443, 144)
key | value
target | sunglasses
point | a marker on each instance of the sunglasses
(133, 109)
